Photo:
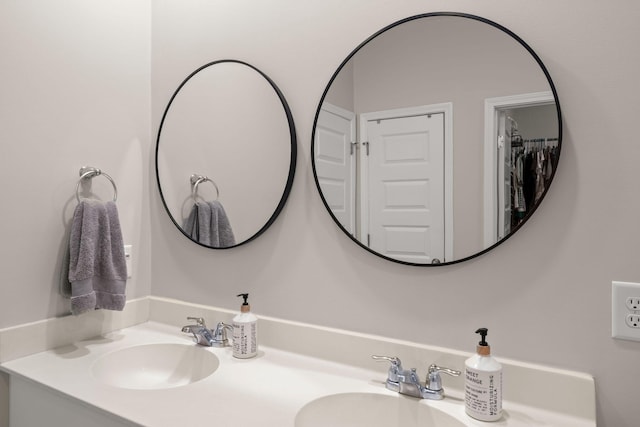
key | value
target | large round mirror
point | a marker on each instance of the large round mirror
(436, 139)
(225, 154)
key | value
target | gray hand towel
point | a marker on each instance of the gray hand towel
(191, 226)
(204, 223)
(209, 225)
(221, 232)
(65, 285)
(97, 267)
(198, 224)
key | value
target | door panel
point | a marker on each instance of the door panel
(406, 187)
(335, 169)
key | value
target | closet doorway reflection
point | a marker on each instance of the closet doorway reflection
(521, 155)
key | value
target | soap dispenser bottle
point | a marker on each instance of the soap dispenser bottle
(245, 331)
(483, 383)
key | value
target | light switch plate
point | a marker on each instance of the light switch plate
(625, 313)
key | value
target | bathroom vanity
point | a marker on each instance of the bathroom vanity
(151, 374)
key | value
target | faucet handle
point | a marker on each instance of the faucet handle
(198, 320)
(435, 368)
(434, 382)
(220, 335)
(393, 380)
(394, 360)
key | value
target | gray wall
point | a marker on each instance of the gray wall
(74, 79)
(75, 85)
(544, 294)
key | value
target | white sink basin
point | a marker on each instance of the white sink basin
(155, 366)
(372, 410)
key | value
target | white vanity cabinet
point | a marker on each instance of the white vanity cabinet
(33, 404)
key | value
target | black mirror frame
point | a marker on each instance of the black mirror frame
(380, 32)
(292, 163)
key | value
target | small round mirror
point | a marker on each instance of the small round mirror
(225, 154)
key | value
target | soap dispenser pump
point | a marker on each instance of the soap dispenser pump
(245, 331)
(483, 383)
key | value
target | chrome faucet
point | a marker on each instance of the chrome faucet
(406, 381)
(205, 336)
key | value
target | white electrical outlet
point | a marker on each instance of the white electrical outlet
(633, 320)
(625, 310)
(633, 303)
(128, 257)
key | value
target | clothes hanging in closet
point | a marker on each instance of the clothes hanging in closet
(532, 163)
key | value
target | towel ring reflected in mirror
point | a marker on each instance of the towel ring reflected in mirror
(199, 179)
(89, 172)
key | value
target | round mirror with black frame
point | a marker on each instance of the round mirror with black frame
(225, 154)
(436, 139)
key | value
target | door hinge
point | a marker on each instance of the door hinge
(366, 145)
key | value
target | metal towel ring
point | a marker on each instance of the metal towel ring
(199, 179)
(88, 172)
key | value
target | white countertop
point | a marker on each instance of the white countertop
(268, 390)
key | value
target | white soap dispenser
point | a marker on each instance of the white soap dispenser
(483, 383)
(245, 331)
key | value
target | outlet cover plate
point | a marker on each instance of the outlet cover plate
(621, 293)
(128, 256)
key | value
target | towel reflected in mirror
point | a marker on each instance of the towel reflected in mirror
(209, 225)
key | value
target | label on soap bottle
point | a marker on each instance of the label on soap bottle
(483, 394)
(245, 339)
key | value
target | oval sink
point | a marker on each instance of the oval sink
(155, 366)
(372, 410)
